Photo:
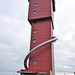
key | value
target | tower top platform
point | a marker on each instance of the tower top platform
(53, 1)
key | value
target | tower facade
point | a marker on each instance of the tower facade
(41, 61)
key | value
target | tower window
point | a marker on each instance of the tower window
(33, 52)
(34, 31)
(34, 41)
(34, 63)
(35, 23)
(34, 12)
(34, 4)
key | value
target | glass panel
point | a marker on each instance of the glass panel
(34, 63)
(35, 4)
(34, 41)
(33, 52)
(34, 31)
(22, 74)
(34, 12)
(35, 23)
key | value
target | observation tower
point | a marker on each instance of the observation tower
(41, 55)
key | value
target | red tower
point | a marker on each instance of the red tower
(41, 55)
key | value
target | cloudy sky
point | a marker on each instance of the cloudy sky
(15, 36)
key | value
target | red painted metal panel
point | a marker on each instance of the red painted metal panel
(43, 56)
(43, 9)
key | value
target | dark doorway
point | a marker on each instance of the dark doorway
(28, 74)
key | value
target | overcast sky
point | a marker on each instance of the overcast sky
(15, 36)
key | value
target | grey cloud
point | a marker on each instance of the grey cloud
(14, 35)
(65, 31)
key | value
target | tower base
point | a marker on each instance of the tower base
(37, 72)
